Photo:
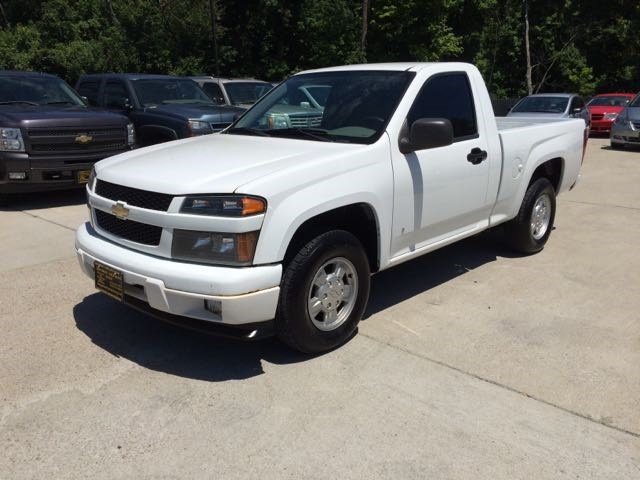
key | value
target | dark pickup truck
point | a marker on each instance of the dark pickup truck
(49, 138)
(161, 107)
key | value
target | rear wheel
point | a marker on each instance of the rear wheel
(530, 230)
(324, 292)
(617, 146)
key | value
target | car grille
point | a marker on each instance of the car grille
(128, 229)
(68, 140)
(216, 127)
(305, 121)
(134, 196)
(597, 116)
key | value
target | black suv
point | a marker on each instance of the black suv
(49, 138)
(162, 107)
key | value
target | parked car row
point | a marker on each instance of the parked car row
(50, 137)
(614, 114)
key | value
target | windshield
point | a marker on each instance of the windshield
(152, 92)
(38, 90)
(542, 105)
(609, 101)
(246, 92)
(356, 107)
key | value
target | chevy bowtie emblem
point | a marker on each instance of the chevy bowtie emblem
(83, 139)
(120, 211)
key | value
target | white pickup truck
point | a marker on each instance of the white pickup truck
(277, 223)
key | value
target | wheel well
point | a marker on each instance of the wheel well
(357, 219)
(552, 170)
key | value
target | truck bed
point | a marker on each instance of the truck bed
(524, 139)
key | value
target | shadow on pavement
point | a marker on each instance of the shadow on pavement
(40, 200)
(409, 279)
(153, 344)
(127, 333)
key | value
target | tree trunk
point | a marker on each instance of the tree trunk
(365, 23)
(527, 47)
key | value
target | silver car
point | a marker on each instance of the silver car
(625, 131)
(238, 92)
(551, 105)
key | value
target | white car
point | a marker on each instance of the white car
(260, 229)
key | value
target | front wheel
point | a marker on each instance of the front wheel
(530, 230)
(324, 292)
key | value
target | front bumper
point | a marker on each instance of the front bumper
(625, 134)
(245, 296)
(43, 173)
(601, 126)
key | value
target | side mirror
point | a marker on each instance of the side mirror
(425, 133)
(576, 110)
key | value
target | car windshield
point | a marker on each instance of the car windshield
(356, 107)
(153, 92)
(38, 90)
(609, 101)
(243, 93)
(542, 105)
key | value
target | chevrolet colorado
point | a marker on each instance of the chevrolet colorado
(274, 227)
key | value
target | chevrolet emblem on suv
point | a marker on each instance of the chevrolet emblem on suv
(120, 211)
(83, 139)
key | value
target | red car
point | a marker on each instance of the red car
(604, 109)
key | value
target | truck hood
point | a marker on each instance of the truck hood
(216, 163)
(206, 113)
(47, 116)
(537, 115)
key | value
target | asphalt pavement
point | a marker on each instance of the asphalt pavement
(471, 362)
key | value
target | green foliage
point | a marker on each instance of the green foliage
(587, 46)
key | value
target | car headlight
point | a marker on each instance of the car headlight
(235, 249)
(278, 120)
(196, 127)
(91, 183)
(224, 205)
(610, 116)
(11, 140)
(131, 134)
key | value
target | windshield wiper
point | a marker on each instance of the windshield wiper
(315, 133)
(248, 131)
(20, 101)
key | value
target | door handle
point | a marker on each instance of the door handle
(476, 156)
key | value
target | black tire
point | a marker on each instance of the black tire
(617, 146)
(519, 232)
(294, 325)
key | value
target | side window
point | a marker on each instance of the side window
(213, 92)
(115, 94)
(447, 96)
(90, 89)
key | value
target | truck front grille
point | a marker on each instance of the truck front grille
(134, 196)
(76, 140)
(128, 229)
(305, 121)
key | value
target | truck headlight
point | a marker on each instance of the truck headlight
(196, 127)
(11, 140)
(224, 205)
(131, 135)
(234, 249)
(91, 183)
(278, 120)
